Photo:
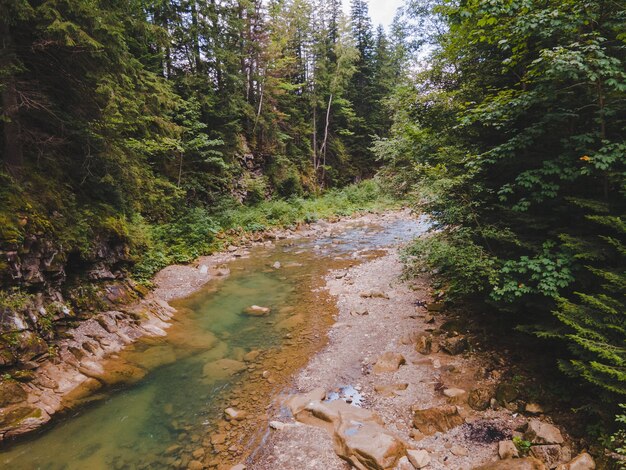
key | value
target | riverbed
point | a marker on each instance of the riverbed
(215, 357)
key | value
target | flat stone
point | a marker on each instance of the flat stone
(418, 458)
(239, 466)
(507, 450)
(389, 362)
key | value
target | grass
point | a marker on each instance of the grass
(194, 232)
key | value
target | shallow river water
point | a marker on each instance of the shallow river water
(160, 420)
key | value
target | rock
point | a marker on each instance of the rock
(367, 445)
(507, 450)
(528, 463)
(222, 368)
(360, 311)
(429, 319)
(404, 464)
(252, 355)
(11, 392)
(257, 311)
(438, 419)
(418, 458)
(533, 409)
(506, 393)
(424, 343)
(550, 454)
(297, 403)
(454, 392)
(195, 465)
(389, 390)
(277, 425)
(458, 450)
(276, 265)
(583, 461)
(291, 322)
(198, 453)
(389, 362)
(233, 413)
(113, 372)
(434, 307)
(239, 466)
(538, 432)
(375, 294)
(479, 399)
(455, 345)
(218, 439)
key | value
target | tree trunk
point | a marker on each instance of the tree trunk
(324, 146)
(13, 155)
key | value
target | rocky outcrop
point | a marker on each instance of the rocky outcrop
(79, 365)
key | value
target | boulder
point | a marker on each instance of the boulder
(418, 458)
(257, 311)
(389, 362)
(528, 463)
(583, 461)
(479, 399)
(424, 343)
(438, 419)
(367, 445)
(507, 450)
(455, 345)
(538, 432)
(550, 454)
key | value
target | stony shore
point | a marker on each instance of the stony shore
(425, 399)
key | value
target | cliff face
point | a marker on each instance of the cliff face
(45, 290)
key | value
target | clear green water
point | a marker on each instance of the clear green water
(132, 427)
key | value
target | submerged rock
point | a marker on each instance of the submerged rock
(223, 368)
(257, 311)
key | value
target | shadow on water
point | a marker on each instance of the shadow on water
(191, 370)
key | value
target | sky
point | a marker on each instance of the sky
(381, 11)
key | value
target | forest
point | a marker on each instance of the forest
(141, 133)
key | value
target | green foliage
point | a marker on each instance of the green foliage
(522, 445)
(464, 267)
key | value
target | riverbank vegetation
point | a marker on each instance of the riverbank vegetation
(511, 135)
